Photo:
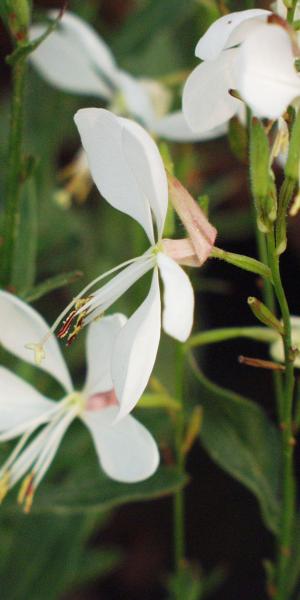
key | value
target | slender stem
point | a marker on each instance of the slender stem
(14, 173)
(269, 300)
(213, 336)
(288, 491)
(291, 12)
(179, 528)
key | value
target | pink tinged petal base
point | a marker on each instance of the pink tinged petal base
(101, 400)
(135, 350)
(178, 299)
(206, 101)
(20, 404)
(199, 229)
(265, 72)
(100, 339)
(182, 251)
(102, 138)
(21, 325)
(126, 450)
(218, 35)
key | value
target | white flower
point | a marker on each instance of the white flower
(75, 59)
(276, 348)
(265, 71)
(128, 170)
(207, 102)
(126, 450)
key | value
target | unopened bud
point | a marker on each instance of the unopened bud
(264, 315)
(293, 159)
(199, 229)
(262, 183)
(18, 12)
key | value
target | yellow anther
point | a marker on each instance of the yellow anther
(295, 206)
(26, 493)
(39, 352)
(4, 486)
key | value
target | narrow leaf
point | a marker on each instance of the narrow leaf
(239, 438)
(49, 285)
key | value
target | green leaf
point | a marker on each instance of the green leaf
(49, 285)
(241, 440)
(96, 494)
(50, 555)
(154, 17)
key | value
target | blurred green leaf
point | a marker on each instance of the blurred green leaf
(239, 438)
(141, 24)
(53, 283)
(191, 584)
(294, 561)
(93, 495)
(50, 555)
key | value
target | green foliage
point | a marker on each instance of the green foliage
(96, 493)
(191, 584)
(239, 438)
(262, 184)
(46, 556)
(26, 248)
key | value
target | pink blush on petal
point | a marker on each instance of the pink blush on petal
(102, 400)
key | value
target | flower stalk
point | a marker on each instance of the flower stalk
(179, 528)
(286, 426)
(14, 173)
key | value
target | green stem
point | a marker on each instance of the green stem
(14, 173)
(179, 529)
(260, 334)
(269, 300)
(288, 491)
(291, 12)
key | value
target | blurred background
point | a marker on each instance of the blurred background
(126, 552)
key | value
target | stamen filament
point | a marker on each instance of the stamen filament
(38, 347)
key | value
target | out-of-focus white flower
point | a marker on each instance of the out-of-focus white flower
(280, 9)
(276, 348)
(207, 102)
(128, 170)
(75, 59)
(126, 450)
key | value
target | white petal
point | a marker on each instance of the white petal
(206, 101)
(103, 298)
(101, 135)
(127, 452)
(136, 98)
(20, 403)
(217, 36)
(178, 311)
(265, 72)
(74, 58)
(276, 348)
(147, 166)
(279, 8)
(174, 127)
(135, 350)
(100, 340)
(20, 325)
